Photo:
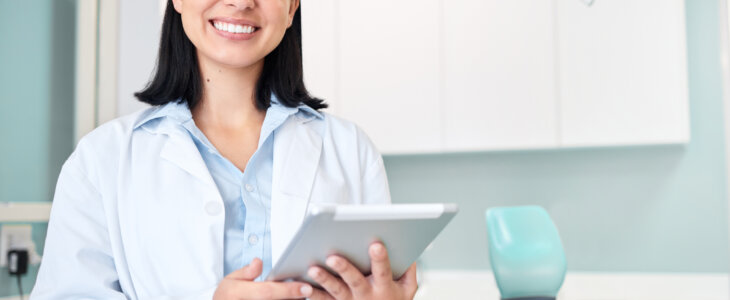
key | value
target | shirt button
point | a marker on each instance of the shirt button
(249, 187)
(253, 239)
(213, 208)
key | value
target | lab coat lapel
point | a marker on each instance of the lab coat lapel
(180, 150)
(297, 150)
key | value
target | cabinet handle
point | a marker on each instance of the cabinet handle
(588, 2)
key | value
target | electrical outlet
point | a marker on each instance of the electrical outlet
(16, 237)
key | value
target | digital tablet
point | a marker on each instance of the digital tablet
(348, 230)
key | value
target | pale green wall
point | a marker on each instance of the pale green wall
(649, 209)
(37, 39)
(36, 80)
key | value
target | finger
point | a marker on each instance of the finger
(334, 286)
(277, 290)
(409, 280)
(382, 274)
(318, 294)
(249, 272)
(350, 275)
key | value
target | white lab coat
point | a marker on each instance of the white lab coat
(137, 211)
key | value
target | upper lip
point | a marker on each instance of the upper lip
(242, 22)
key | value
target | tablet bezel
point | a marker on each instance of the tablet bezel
(439, 215)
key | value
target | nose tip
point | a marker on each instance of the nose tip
(240, 4)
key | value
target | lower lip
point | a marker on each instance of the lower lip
(235, 36)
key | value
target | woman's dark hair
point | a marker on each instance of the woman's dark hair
(177, 75)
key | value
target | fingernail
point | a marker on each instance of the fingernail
(313, 272)
(378, 249)
(332, 262)
(306, 290)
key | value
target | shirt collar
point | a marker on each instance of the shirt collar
(178, 110)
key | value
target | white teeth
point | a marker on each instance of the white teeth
(233, 28)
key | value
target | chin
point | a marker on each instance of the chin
(239, 63)
(236, 61)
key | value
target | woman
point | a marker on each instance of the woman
(197, 197)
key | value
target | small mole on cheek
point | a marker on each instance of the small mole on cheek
(219, 70)
(207, 79)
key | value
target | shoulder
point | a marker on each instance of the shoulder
(114, 133)
(361, 159)
(339, 125)
(103, 146)
(347, 135)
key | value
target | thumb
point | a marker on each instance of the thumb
(409, 278)
(248, 273)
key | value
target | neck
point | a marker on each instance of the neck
(228, 100)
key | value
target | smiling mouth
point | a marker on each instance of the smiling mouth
(234, 28)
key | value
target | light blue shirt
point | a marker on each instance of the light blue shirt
(246, 195)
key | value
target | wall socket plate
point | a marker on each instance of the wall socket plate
(17, 237)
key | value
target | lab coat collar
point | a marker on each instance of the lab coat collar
(309, 113)
(176, 110)
(180, 150)
(179, 111)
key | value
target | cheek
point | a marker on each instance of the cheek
(192, 28)
(193, 20)
(277, 13)
(278, 25)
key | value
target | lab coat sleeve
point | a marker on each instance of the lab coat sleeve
(375, 189)
(77, 259)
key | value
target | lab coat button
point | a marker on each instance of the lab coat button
(253, 239)
(213, 208)
(249, 187)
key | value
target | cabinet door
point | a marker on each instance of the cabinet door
(388, 72)
(318, 48)
(623, 76)
(499, 74)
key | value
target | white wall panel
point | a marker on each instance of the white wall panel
(623, 76)
(139, 39)
(319, 45)
(499, 74)
(389, 72)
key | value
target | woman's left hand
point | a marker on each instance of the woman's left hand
(353, 285)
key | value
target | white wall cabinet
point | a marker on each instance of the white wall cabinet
(388, 77)
(472, 75)
(623, 72)
(498, 69)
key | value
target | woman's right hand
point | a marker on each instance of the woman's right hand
(240, 285)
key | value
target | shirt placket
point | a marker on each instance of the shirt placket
(254, 226)
(256, 209)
